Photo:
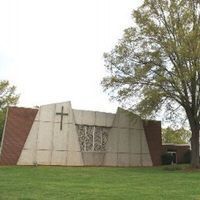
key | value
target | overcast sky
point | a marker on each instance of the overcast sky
(52, 50)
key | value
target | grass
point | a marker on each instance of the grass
(89, 183)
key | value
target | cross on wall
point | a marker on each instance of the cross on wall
(61, 116)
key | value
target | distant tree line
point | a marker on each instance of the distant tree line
(176, 136)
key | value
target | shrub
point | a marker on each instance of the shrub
(187, 156)
(167, 158)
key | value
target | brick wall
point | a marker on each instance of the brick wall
(179, 149)
(153, 134)
(17, 128)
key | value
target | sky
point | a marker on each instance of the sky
(52, 50)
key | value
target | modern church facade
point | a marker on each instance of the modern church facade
(57, 134)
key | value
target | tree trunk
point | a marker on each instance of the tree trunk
(195, 147)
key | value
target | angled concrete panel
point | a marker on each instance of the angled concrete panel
(59, 158)
(109, 119)
(135, 160)
(123, 144)
(45, 135)
(51, 143)
(123, 119)
(146, 160)
(68, 115)
(135, 141)
(88, 117)
(123, 159)
(60, 138)
(145, 147)
(112, 143)
(37, 118)
(32, 137)
(98, 158)
(47, 113)
(88, 158)
(43, 157)
(93, 158)
(78, 115)
(110, 159)
(74, 158)
(116, 120)
(73, 142)
(135, 122)
(100, 119)
(27, 157)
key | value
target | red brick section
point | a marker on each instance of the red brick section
(180, 150)
(153, 134)
(17, 128)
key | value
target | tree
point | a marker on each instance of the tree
(7, 97)
(176, 136)
(157, 63)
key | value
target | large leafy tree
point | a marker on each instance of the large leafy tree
(157, 62)
(7, 97)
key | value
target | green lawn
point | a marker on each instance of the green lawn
(26, 183)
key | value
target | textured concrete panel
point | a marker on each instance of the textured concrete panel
(112, 143)
(59, 158)
(145, 147)
(88, 117)
(123, 144)
(32, 137)
(37, 118)
(135, 141)
(123, 119)
(45, 135)
(78, 115)
(123, 159)
(26, 158)
(116, 120)
(73, 142)
(93, 158)
(66, 110)
(98, 158)
(146, 160)
(60, 137)
(88, 158)
(124, 130)
(109, 119)
(110, 159)
(47, 112)
(44, 157)
(135, 122)
(100, 119)
(74, 158)
(135, 160)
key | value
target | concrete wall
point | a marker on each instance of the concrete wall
(93, 118)
(127, 145)
(47, 144)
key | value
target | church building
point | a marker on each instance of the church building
(57, 134)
